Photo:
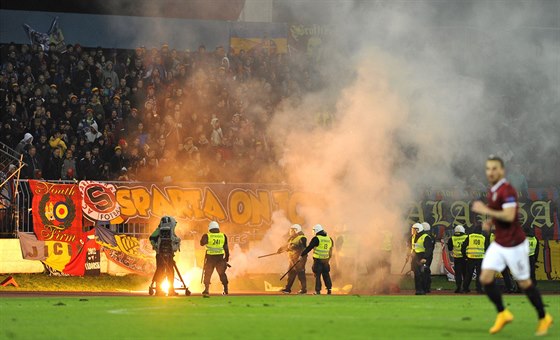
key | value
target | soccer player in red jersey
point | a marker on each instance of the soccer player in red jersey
(510, 248)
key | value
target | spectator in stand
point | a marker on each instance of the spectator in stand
(87, 169)
(91, 133)
(32, 163)
(87, 95)
(43, 149)
(57, 142)
(25, 143)
(105, 172)
(131, 122)
(53, 169)
(109, 73)
(189, 152)
(217, 137)
(118, 162)
(82, 76)
(68, 166)
(123, 176)
(87, 121)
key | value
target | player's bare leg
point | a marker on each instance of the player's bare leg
(504, 316)
(545, 319)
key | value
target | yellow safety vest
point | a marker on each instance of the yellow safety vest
(457, 244)
(492, 237)
(323, 250)
(215, 244)
(418, 246)
(475, 248)
(533, 242)
(387, 241)
(294, 244)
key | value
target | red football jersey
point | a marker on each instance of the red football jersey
(503, 195)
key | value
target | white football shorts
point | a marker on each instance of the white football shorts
(516, 258)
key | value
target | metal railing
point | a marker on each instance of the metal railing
(9, 189)
(18, 216)
(8, 156)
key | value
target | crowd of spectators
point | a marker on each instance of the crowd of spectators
(150, 114)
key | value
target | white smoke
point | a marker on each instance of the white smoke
(418, 106)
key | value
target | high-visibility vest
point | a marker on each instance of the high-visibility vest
(215, 245)
(475, 248)
(492, 237)
(418, 246)
(533, 242)
(323, 250)
(387, 241)
(457, 244)
(294, 244)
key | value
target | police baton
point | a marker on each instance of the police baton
(289, 270)
(272, 254)
(405, 262)
(203, 267)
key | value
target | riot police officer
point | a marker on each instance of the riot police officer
(322, 246)
(421, 250)
(454, 244)
(473, 249)
(428, 273)
(533, 252)
(297, 242)
(217, 256)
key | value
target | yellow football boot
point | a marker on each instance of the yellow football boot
(502, 319)
(544, 325)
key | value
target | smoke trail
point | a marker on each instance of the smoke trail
(418, 93)
(418, 106)
(248, 262)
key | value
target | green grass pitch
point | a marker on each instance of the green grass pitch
(266, 317)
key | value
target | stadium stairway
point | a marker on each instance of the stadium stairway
(8, 181)
(7, 156)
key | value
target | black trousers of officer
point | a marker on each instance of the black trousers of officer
(473, 265)
(509, 284)
(164, 269)
(215, 262)
(428, 275)
(298, 271)
(532, 263)
(322, 268)
(460, 268)
(419, 274)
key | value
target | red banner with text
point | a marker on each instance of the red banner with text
(57, 213)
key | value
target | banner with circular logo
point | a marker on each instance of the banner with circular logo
(99, 202)
(56, 212)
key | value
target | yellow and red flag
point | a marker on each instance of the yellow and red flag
(57, 213)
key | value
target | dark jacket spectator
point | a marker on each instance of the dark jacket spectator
(32, 164)
(87, 167)
(118, 162)
(53, 169)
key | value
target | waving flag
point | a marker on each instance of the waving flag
(53, 35)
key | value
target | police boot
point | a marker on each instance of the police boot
(225, 292)
(206, 290)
